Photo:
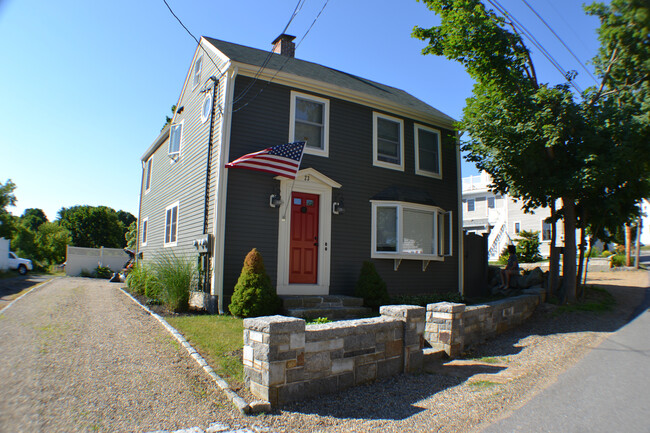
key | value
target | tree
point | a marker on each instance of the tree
(254, 293)
(52, 241)
(131, 236)
(537, 141)
(33, 218)
(168, 120)
(93, 226)
(7, 198)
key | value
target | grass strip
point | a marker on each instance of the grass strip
(219, 339)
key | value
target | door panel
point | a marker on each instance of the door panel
(303, 248)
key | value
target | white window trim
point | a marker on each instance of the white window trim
(514, 227)
(326, 122)
(473, 204)
(208, 97)
(178, 212)
(145, 232)
(418, 170)
(437, 213)
(176, 155)
(148, 169)
(375, 161)
(195, 74)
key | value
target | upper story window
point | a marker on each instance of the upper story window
(171, 225)
(196, 80)
(427, 152)
(546, 231)
(175, 138)
(490, 203)
(309, 122)
(470, 205)
(145, 226)
(206, 108)
(388, 142)
(410, 231)
(147, 175)
(517, 228)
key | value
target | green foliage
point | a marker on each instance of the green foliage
(52, 241)
(131, 236)
(528, 247)
(595, 252)
(95, 226)
(141, 279)
(175, 275)
(617, 261)
(168, 120)
(7, 198)
(102, 272)
(596, 300)
(371, 287)
(424, 300)
(606, 253)
(319, 321)
(254, 293)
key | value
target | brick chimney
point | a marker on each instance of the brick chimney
(284, 45)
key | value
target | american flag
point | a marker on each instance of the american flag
(283, 160)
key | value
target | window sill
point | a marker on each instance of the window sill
(428, 174)
(388, 165)
(403, 256)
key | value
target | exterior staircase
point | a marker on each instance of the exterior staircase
(497, 239)
(333, 307)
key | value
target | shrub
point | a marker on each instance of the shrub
(617, 261)
(175, 276)
(595, 252)
(141, 280)
(254, 293)
(371, 287)
(606, 253)
(424, 300)
(102, 272)
(528, 247)
(319, 321)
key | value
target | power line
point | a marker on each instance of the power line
(516, 24)
(285, 61)
(269, 55)
(561, 41)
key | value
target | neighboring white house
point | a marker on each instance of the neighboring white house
(645, 222)
(502, 217)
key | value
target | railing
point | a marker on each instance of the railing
(496, 238)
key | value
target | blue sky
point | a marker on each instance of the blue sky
(85, 86)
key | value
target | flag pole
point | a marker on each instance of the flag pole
(284, 216)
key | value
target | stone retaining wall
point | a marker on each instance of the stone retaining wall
(452, 326)
(286, 360)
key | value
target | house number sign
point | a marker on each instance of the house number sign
(307, 178)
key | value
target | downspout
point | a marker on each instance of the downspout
(461, 238)
(208, 169)
(138, 237)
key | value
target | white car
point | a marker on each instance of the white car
(21, 265)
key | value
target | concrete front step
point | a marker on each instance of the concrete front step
(325, 301)
(332, 313)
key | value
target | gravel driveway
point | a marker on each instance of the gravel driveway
(78, 355)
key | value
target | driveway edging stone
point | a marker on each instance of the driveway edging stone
(235, 399)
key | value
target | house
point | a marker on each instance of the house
(501, 217)
(379, 179)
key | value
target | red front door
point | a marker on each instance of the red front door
(303, 247)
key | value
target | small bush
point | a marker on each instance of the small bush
(140, 279)
(371, 287)
(606, 253)
(424, 300)
(175, 276)
(319, 321)
(254, 293)
(617, 261)
(103, 272)
(528, 247)
(595, 252)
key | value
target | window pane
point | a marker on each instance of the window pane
(173, 224)
(490, 202)
(313, 134)
(207, 106)
(387, 229)
(144, 232)
(309, 111)
(388, 151)
(428, 151)
(148, 181)
(388, 130)
(175, 138)
(470, 205)
(418, 232)
(546, 231)
(168, 218)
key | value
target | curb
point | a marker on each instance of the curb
(236, 400)
(28, 292)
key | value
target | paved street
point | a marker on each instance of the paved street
(607, 391)
(11, 287)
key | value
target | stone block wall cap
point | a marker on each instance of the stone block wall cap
(275, 324)
(446, 307)
(403, 311)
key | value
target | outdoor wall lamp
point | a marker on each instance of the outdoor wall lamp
(275, 200)
(337, 207)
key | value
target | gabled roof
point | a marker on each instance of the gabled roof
(314, 71)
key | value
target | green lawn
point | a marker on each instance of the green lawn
(219, 339)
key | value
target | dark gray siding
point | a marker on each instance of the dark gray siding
(251, 223)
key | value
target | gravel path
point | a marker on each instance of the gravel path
(78, 355)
